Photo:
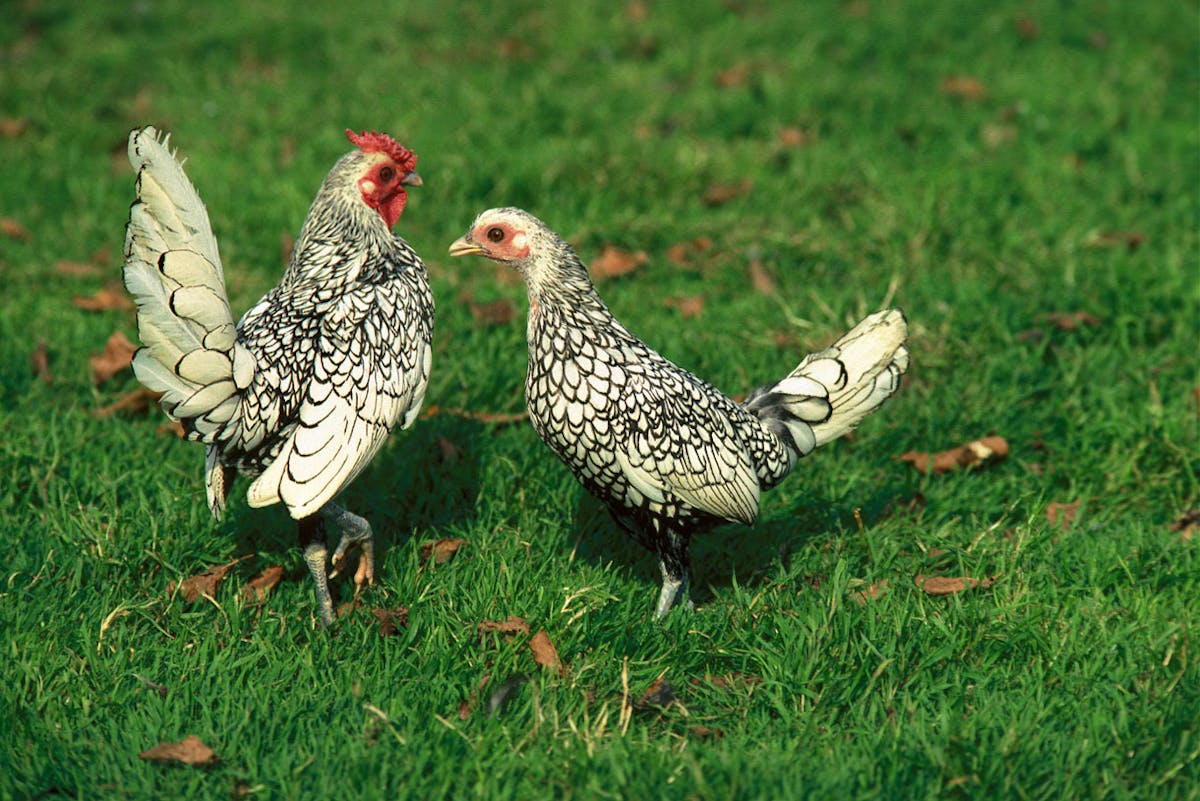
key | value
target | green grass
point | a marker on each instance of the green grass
(1074, 675)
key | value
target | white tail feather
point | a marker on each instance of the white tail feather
(830, 392)
(173, 271)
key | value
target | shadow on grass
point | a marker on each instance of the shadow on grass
(751, 555)
(424, 480)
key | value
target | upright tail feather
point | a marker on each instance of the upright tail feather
(190, 351)
(830, 392)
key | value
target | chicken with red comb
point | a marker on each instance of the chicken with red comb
(303, 390)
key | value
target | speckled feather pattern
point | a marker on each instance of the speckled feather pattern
(668, 453)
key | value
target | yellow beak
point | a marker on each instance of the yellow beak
(465, 247)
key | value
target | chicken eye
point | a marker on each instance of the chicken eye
(386, 174)
(495, 234)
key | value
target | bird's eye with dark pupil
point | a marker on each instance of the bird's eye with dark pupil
(495, 234)
(386, 174)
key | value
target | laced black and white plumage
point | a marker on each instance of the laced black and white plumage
(302, 392)
(668, 453)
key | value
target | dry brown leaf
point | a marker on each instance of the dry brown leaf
(690, 306)
(171, 428)
(13, 229)
(77, 269)
(733, 76)
(109, 298)
(496, 312)
(204, 583)
(659, 695)
(979, 452)
(189, 751)
(1187, 524)
(680, 254)
(614, 261)
(514, 47)
(760, 279)
(963, 86)
(261, 585)
(705, 733)
(134, 402)
(871, 592)
(949, 585)
(12, 127)
(794, 137)
(636, 11)
(39, 363)
(1115, 239)
(441, 551)
(495, 418)
(719, 194)
(1069, 321)
(116, 356)
(544, 652)
(287, 150)
(1062, 515)
(1026, 28)
(391, 620)
(513, 625)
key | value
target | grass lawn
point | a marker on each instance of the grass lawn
(1022, 178)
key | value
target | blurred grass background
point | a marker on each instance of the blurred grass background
(981, 166)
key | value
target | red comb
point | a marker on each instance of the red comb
(382, 143)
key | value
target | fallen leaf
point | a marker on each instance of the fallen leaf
(794, 137)
(190, 751)
(544, 652)
(947, 585)
(1187, 524)
(204, 583)
(495, 418)
(261, 585)
(963, 86)
(13, 229)
(659, 695)
(391, 620)
(39, 363)
(1115, 239)
(760, 279)
(973, 454)
(705, 733)
(349, 607)
(12, 127)
(690, 306)
(733, 76)
(1069, 321)
(680, 254)
(513, 625)
(109, 298)
(134, 402)
(172, 428)
(441, 551)
(496, 312)
(1026, 28)
(287, 150)
(719, 194)
(116, 356)
(614, 262)
(636, 11)
(871, 592)
(77, 269)
(1062, 515)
